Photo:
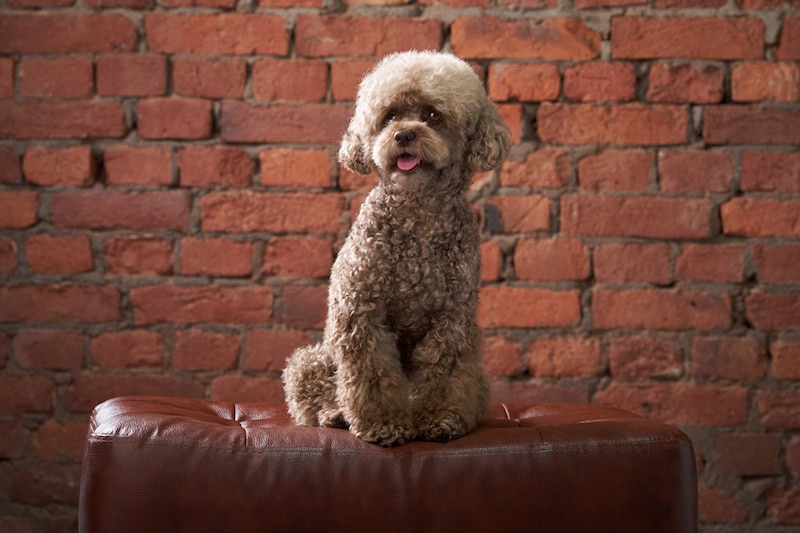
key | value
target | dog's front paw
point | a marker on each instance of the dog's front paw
(385, 434)
(442, 430)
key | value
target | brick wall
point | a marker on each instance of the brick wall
(170, 207)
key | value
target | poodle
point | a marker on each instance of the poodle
(400, 357)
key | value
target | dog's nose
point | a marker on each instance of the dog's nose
(403, 137)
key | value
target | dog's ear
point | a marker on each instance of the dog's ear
(490, 142)
(351, 153)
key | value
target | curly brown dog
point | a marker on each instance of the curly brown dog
(401, 353)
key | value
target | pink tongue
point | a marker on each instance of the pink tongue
(407, 162)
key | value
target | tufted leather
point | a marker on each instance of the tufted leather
(170, 464)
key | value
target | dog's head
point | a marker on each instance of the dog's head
(419, 113)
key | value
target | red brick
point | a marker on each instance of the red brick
(60, 77)
(45, 484)
(247, 389)
(721, 38)
(216, 257)
(718, 507)
(786, 359)
(778, 409)
(748, 454)
(735, 124)
(293, 80)
(551, 259)
(303, 306)
(66, 302)
(196, 349)
(783, 505)
(518, 307)
(128, 349)
(777, 264)
(204, 166)
(174, 4)
(491, 261)
(536, 391)
(55, 254)
(645, 357)
(600, 81)
(633, 262)
(554, 39)
(793, 456)
(695, 170)
(6, 77)
(8, 255)
(351, 181)
(680, 403)
(734, 358)
(273, 212)
(616, 170)
(684, 83)
(112, 209)
(622, 124)
(519, 214)
(307, 124)
(773, 312)
(217, 33)
(18, 209)
(789, 40)
(332, 35)
(771, 171)
(209, 77)
(541, 169)
(345, 77)
(760, 217)
(57, 33)
(60, 440)
(524, 82)
(652, 217)
(295, 168)
(564, 357)
(132, 75)
(13, 440)
(26, 394)
(61, 120)
(138, 255)
(711, 262)
(51, 349)
(9, 166)
(762, 80)
(268, 349)
(132, 4)
(174, 118)
(512, 116)
(291, 3)
(502, 356)
(170, 304)
(298, 257)
(688, 4)
(127, 165)
(59, 166)
(588, 4)
(89, 390)
(660, 309)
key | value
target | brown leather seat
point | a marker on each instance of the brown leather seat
(169, 464)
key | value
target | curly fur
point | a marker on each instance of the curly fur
(400, 357)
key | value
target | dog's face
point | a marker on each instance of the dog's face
(420, 113)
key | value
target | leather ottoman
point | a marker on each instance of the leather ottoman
(169, 464)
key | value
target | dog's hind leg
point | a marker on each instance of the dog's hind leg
(310, 385)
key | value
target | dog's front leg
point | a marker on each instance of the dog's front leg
(372, 389)
(449, 392)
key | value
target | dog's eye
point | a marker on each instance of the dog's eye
(391, 116)
(433, 117)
